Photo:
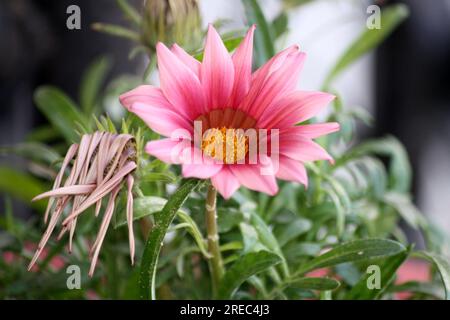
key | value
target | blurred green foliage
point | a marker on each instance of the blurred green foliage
(347, 219)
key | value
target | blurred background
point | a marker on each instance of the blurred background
(404, 84)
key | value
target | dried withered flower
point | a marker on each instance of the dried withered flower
(102, 163)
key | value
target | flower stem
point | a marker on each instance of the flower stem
(215, 262)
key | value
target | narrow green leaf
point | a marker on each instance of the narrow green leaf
(158, 176)
(295, 3)
(230, 43)
(60, 110)
(280, 24)
(228, 218)
(429, 289)
(163, 219)
(43, 133)
(195, 232)
(267, 238)
(264, 48)
(295, 249)
(130, 12)
(34, 151)
(292, 230)
(117, 31)
(388, 269)
(400, 172)
(21, 186)
(404, 206)
(391, 17)
(443, 266)
(91, 83)
(245, 267)
(357, 250)
(313, 283)
(142, 207)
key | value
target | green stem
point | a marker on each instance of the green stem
(215, 262)
(152, 248)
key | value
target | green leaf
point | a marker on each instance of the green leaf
(142, 207)
(407, 210)
(245, 267)
(149, 205)
(422, 288)
(163, 219)
(33, 151)
(357, 250)
(21, 186)
(295, 3)
(250, 238)
(399, 168)
(129, 12)
(91, 83)
(60, 110)
(42, 133)
(443, 266)
(228, 218)
(376, 175)
(116, 31)
(313, 283)
(292, 230)
(230, 43)
(342, 203)
(391, 17)
(388, 269)
(264, 48)
(158, 176)
(267, 238)
(295, 250)
(194, 231)
(280, 24)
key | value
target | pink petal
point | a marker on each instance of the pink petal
(292, 170)
(69, 156)
(294, 108)
(103, 228)
(225, 182)
(160, 120)
(272, 65)
(149, 95)
(144, 93)
(270, 84)
(312, 131)
(242, 61)
(197, 166)
(187, 59)
(65, 191)
(167, 150)
(250, 177)
(217, 71)
(101, 191)
(302, 149)
(201, 171)
(179, 83)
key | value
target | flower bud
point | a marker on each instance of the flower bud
(171, 21)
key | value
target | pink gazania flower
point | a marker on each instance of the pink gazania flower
(225, 96)
(102, 163)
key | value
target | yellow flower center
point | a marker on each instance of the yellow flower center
(227, 145)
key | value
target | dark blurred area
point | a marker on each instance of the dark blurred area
(412, 68)
(37, 48)
(413, 99)
(413, 78)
